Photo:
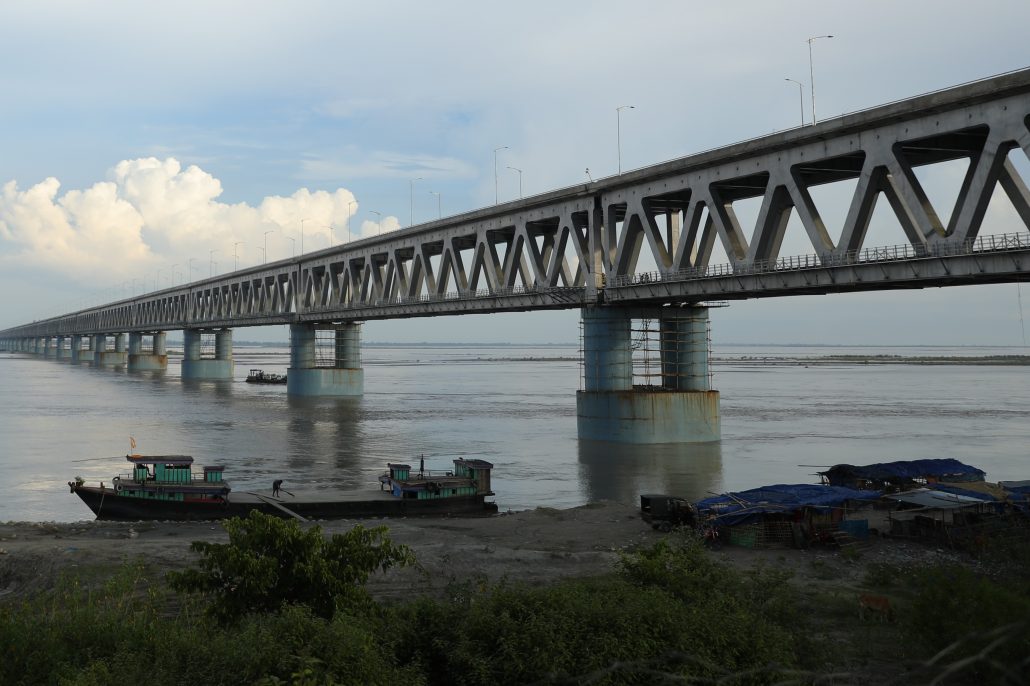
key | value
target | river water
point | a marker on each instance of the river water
(515, 406)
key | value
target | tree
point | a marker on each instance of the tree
(271, 562)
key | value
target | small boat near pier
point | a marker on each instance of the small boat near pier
(260, 376)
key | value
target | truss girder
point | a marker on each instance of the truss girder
(564, 248)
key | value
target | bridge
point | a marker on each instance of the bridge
(582, 246)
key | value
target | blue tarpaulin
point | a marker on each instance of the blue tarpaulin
(742, 506)
(944, 469)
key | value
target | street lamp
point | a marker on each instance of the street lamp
(411, 200)
(520, 180)
(293, 245)
(330, 227)
(190, 270)
(618, 129)
(801, 98)
(439, 211)
(264, 256)
(497, 195)
(236, 257)
(211, 262)
(264, 251)
(811, 72)
(350, 236)
(157, 281)
(379, 220)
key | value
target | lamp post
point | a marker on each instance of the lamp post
(330, 227)
(520, 180)
(264, 251)
(411, 200)
(293, 245)
(263, 255)
(190, 270)
(379, 220)
(235, 255)
(157, 281)
(173, 273)
(439, 211)
(497, 195)
(211, 262)
(811, 72)
(618, 130)
(350, 236)
(801, 98)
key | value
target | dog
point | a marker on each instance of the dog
(878, 606)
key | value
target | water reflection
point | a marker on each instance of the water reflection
(327, 432)
(621, 472)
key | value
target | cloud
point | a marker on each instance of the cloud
(152, 213)
(390, 165)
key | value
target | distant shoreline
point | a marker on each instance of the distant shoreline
(970, 360)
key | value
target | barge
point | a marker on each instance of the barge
(260, 376)
(165, 487)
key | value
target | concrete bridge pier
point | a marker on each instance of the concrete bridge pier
(63, 353)
(198, 363)
(325, 365)
(48, 348)
(80, 354)
(105, 357)
(645, 386)
(147, 358)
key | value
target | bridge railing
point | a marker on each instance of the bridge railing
(482, 293)
(891, 253)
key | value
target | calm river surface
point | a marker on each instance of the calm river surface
(513, 406)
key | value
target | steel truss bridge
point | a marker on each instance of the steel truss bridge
(582, 245)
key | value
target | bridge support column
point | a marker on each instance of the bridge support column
(48, 347)
(62, 352)
(673, 403)
(80, 354)
(105, 357)
(143, 358)
(327, 365)
(199, 364)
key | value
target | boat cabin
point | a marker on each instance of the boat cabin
(170, 477)
(469, 477)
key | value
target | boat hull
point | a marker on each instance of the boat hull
(108, 505)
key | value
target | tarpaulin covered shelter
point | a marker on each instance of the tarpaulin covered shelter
(730, 509)
(901, 474)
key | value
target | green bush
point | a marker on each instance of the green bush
(271, 562)
(671, 614)
(979, 628)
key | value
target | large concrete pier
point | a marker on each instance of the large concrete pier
(336, 371)
(198, 363)
(673, 403)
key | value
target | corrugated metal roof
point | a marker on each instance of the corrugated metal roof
(925, 497)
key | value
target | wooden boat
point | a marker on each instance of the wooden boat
(259, 376)
(165, 487)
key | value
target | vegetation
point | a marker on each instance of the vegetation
(282, 605)
(269, 563)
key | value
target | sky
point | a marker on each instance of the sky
(145, 144)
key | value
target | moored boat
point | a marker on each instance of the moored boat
(165, 487)
(260, 376)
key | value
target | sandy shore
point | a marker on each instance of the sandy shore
(534, 546)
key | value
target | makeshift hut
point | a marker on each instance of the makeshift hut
(901, 475)
(784, 514)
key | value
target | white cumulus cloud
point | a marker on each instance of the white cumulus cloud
(151, 214)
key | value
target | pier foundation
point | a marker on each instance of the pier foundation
(62, 352)
(325, 360)
(147, 352)
(110, 350)
(79, 353)
(646, 377)
(203, 360)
